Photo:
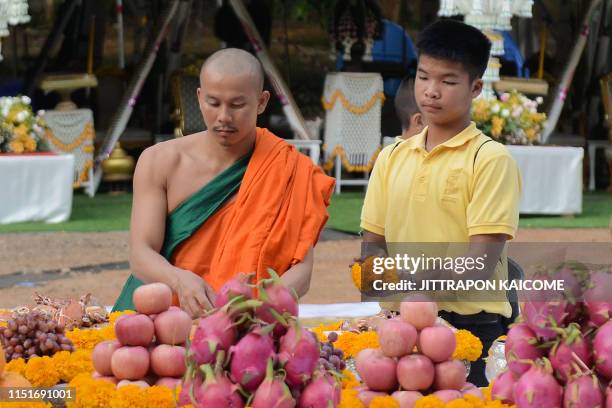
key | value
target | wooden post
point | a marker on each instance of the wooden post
(126, 106)
(568, 73)
(543, 37)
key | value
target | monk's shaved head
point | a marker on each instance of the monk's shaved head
(234, 62)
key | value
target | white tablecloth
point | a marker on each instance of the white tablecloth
(36, 188)
(339, 310)
(552, 179)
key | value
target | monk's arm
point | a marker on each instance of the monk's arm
(147, 229)
(298, 276)
(148, 222)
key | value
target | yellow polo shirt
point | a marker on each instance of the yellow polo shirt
(444, 196)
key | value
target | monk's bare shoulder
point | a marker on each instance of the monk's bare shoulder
(161, 160)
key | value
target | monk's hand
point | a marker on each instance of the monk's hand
(194, 294)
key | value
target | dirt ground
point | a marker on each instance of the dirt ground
(72, 264)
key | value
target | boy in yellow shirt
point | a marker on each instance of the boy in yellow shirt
(450, 183)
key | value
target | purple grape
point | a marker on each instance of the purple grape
(335, 360)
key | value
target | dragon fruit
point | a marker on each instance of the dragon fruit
(562, 353)
(249, 358)
(279, 304)
(521, 346)
(537, 388)
(322, 392)
(602, 348)
(237, 286)
(583, 392)
(273, 392)
(299, 352)
(217, 391)
(544, 317)
(503, 387)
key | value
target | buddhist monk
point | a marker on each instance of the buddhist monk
(233, 198)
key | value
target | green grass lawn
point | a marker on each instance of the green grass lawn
(112, 212)
(103, 213)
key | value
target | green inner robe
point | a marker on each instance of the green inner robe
(188, 217)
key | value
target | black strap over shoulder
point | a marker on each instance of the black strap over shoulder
(479, 147)
(396, 144)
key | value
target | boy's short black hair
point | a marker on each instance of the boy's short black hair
(455, 41)
(405, 102)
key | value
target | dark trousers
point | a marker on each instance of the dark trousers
(487, 327)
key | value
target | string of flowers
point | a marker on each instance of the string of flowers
(384, 402)
(49, 371)
(92, 392)
(26, 405)
(357, 110)
(349, 399)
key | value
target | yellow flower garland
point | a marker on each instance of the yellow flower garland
(48, 371)
(84, 174)
(160, 397)
(86, 339)
(464, 403)
(429, 401)
(130, 396)
(384, 402)
(17, 366)
(469, 347)
(86, 135)
(468, 401)
(352, 343)
(41, 372)
(357, 110)
(349, 399)
(93, 393)
(26, 405)
(339, 151)
(349, 380)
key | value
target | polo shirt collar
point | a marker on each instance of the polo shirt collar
(467, 134)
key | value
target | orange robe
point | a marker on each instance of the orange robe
(275, 218)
